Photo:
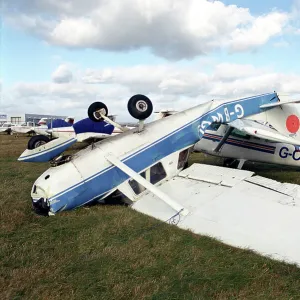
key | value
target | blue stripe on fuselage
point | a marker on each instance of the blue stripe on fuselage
(187, 135)
(243, 144)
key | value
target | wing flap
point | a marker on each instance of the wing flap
(246, 215)
(261, 131)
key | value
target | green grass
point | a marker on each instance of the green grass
(113, 252)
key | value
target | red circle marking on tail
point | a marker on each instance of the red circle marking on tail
(292, 123)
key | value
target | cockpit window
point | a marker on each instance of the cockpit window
(214, 126)
(240, 134)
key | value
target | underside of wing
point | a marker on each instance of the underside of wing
(90, 136)
(233, 206)
(259, 130)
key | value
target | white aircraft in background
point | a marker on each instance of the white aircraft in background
(42, 127)
(146, 164)
(6, 127)
(31, 127)
(242, 141)
(26, 127)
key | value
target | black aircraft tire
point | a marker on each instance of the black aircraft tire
(36, 141)
(230, 163)
(140, 107)
(92, 111)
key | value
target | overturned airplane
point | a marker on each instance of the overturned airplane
(146, 165)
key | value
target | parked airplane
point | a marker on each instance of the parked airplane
(6, 127)
(242, 145)
(26, 127)
(61, 134)
(84, 130)
(45, 124)
(145, 165)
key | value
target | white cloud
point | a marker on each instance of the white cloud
(173, 29)
(282, 43)
(168, 86)
(260, 31)
(229, 71)
(62, 74)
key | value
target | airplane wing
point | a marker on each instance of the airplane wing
(258, 130)
(233, 206)
(86, 136)
(279, 103)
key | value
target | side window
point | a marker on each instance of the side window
(240, 134)
(137, 188)
(183, 157)
(154, 175)
(157, 173)
(214, 126)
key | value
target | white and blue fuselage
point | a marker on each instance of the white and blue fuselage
(246, 147)
(90, 176)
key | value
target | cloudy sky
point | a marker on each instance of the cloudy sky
(60, 56)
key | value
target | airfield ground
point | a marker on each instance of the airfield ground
(113, 252)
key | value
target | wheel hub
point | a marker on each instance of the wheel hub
(141, 105)
(97, 114)
(39, 143)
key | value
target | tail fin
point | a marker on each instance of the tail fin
(69, 120)
(42, 121)
(284, 118)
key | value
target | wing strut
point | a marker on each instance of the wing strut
(150, 187)
(223, 140)
(108, 120)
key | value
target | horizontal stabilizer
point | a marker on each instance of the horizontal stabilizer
(47, 151)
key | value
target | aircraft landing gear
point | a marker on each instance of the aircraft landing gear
(96, 110)
(37, 141)
(140, 107)
(234, 163)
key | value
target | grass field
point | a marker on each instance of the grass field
(113, 252)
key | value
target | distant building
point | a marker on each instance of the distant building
(3, 117)
(21, 118)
